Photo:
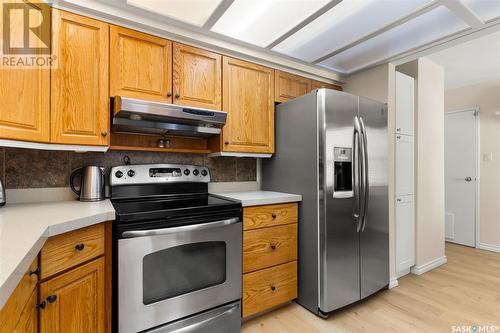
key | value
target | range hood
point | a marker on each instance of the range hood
(140, 116)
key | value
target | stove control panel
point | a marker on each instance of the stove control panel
(158, 173)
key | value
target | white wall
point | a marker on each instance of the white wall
(486, 96)
(378, 83)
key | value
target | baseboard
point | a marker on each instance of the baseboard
(419, 270)
(393, 282)
(488, 247)
(403, 272)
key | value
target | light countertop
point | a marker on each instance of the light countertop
(257, 198)
(24, 228)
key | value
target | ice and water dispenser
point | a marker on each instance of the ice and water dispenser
(342, 182)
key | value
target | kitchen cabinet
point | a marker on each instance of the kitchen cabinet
(404, 165)
(25, 96)
(288, 86)
(248, 99)
(318, 84)
(405, 233)
(28, 322)
(405, 104)
(74, 301)
(79, 83)
(140, 65)
(197, 77)
(269, 256)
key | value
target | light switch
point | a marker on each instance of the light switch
(488, 157)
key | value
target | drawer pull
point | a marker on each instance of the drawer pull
(273, 215)
(273, 288)
(35, 272)
(79, 246)
(273, 246)
(51, 298)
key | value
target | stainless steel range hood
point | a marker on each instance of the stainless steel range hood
(141, 116)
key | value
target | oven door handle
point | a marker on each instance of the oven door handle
(194, 227)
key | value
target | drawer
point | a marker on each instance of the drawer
(269, 287)
(71, 249)
(11, 311)
(269, 215)
(268, 247)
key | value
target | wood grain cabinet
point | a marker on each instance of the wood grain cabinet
(79, 83)
(248, 99)
(197, 77)
(25, 96)
(288, 86)
(269, 256)
(140, 65)
(318, 84)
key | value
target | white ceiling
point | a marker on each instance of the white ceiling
(471, 62)
(337, 36)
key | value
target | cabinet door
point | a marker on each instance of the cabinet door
(318, 84)
(74, 300)
(405, 103)
(28, 322)
(248, 92)
(80, 100)
(405, 233)
(289, 86)
(25, 96)
(140, 65)
(197, 77)
(404, 165)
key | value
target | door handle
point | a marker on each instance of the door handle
(468, 179)
(164, 231)
(364, 172)
(356, 174)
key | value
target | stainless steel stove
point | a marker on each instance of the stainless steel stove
(177, 251)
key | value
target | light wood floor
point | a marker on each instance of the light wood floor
(465, 291)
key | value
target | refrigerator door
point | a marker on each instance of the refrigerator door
(339, 239)
(374, 234)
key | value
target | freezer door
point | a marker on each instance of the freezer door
(339, 240)
(374, 234)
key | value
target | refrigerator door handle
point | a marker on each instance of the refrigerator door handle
(364, 171)
(356, 174)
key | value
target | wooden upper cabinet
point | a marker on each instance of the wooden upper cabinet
(318, 84)
(25, 96)
(197, 77)
(140, 65)
(74, 301)
(248, 93)
(288, 86)
(79, 84)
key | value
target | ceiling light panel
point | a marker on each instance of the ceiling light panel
(262, 22)
(343, 24)
(486, 9)
(429, 27)
(195, 12)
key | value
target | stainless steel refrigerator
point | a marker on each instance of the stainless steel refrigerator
(331, 147)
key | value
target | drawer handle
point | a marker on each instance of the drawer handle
(51, 298)
(273, 215)
(79, 246)
(273, 288)
(273, 246)
(177, 95)
(35, 272)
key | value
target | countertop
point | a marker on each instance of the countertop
(257, 198)
(24, 228)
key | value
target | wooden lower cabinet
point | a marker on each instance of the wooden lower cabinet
(74, 301)
(28, 322)
(269, 256)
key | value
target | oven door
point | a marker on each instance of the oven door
(168, 274)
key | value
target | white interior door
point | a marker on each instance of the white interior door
(460, 177)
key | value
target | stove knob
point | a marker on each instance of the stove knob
(187, 172)
(204, 173)
(118, 174)
(196, 172)
(131, 173)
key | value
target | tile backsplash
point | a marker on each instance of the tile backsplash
(27, 168)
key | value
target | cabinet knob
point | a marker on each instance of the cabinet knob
(169, 94)
(177, 95)
(51, 298)
(398, 200)
(398, 137)
(273, 215)
(273, 247)
(42, 305)
(273, 288)
(226, 142)
(104, 133)
(35, 272)
(398, 129)
(79, 246)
